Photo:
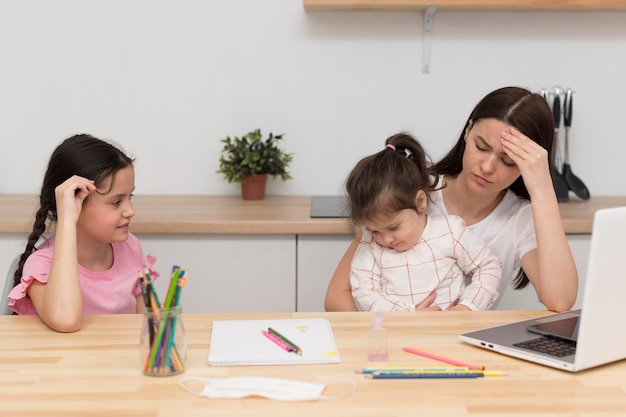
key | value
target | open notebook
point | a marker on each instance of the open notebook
(241, 342)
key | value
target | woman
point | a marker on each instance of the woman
(499, 165)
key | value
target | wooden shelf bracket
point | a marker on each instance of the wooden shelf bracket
(429, 15)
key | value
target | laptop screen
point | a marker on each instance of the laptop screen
(563, 329)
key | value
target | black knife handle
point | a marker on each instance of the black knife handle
(567, 108)
(556, 110)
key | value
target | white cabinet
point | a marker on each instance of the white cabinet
(229, 273)
(318, 256)
(233, 273)
(11, 245)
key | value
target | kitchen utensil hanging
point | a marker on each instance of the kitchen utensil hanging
(574, 183)
(564, 180)
(560, 186)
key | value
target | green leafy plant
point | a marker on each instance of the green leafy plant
(253, 155)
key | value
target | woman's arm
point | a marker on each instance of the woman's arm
(551, 267)
(59, 302)
(339, 293)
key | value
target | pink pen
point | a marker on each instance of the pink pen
(277, 341)
(440, 358)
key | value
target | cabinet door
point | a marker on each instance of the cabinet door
(229, 273)
(318, 256)
(11, 245)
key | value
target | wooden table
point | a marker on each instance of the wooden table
(197, 214)
(96, 372)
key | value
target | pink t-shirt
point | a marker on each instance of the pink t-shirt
(107, 292)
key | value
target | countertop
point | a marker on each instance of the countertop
(202, 214)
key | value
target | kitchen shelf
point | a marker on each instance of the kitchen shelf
(430, 7)
(477, 5)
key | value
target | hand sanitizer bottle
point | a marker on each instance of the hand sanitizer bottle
(378, 340)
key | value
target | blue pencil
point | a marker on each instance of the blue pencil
(413, 369)
(433, 375)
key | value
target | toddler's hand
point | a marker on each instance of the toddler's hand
(458, 307)
(427, 303)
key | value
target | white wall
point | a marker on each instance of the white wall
(168, 79)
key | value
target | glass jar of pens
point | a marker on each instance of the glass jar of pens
(163, 343)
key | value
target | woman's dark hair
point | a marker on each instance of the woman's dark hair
(526, 111)
(82, 155)
(388, 181)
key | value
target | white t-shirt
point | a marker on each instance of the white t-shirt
(509, 231)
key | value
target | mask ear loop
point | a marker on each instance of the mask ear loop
(184, 386)
(339, 396)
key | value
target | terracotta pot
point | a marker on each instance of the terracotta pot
(253, 187)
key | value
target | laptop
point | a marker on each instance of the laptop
(579, 339)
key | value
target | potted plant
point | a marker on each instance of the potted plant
(248, 160)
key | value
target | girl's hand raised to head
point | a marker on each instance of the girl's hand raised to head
(531, 159)
(70, 196)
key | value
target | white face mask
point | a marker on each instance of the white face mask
(272, 388)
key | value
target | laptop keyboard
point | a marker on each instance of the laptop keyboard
(550, 346)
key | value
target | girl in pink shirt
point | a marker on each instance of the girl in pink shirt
(88, 264)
